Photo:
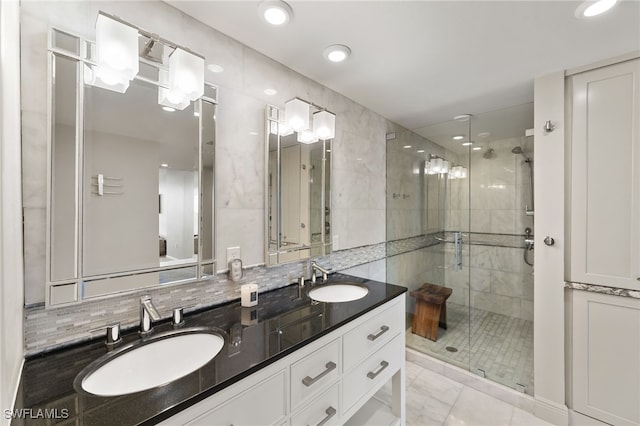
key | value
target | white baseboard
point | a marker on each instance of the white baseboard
(551, 411)
(578, 419)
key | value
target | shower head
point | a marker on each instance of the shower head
(489, 154)
(518, 150)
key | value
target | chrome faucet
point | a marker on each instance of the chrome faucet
(315, 267)
(148, 314)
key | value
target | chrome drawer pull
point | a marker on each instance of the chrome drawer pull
(383, 330)
(308, 381)
(383, 365)
(330, 413)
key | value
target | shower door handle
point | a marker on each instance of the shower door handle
(457, 247)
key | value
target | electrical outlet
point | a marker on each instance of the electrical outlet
(233, 253)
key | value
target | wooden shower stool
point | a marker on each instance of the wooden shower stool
(431, 310)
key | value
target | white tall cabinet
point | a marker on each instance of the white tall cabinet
(604, 141)
(605, 176)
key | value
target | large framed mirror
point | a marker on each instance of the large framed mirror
(131, 182)
(298, 188)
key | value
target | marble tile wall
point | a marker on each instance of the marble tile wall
(359, 160)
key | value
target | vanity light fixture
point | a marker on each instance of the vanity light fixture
(275, 12)
(307, 137)
(592, 8)
(297, 118)
(337, 52)
(458, 172)
(116, 54)
(436, 165)
(186, 74)
(170, 99)
(324, 125)
(296, 113)
(284, 129)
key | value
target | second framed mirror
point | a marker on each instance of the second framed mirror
(298, 182)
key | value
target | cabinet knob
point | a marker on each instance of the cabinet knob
(549, 241)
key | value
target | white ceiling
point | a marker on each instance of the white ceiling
(422, 62)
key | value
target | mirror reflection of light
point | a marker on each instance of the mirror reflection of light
(168, 109)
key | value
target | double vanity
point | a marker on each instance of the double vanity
(289, 360)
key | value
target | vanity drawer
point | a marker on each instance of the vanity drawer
(324, 410)
(313, 372)
(262, 404)
(372, 372)
(372, 335)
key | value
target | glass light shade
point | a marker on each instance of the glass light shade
(463, 173)
(456, 172)
(186, 74)
(116, 51)
(324, 125)
(284, 129)
(98, 77)
(296, 113)
(307, 136)
(436, 165)
(445, 167)
(171, 98)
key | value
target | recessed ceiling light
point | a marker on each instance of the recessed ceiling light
(458, 137)
(337, 52)
(467, 143)
(420, 151)
(168, 109)
(462, 117)
(275, 12)
(270, 92)
(164, 165)
(407, 146)
(484, 134)
(591, 8)
(476, 148)
(215, 68)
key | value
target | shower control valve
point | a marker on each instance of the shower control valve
(549, 241)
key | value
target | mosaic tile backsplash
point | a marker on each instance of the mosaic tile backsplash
(48, 329)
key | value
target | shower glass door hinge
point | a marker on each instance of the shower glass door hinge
(521, 388)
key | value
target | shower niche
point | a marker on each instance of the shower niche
(482, 245)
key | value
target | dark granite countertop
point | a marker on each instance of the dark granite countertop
(283, 321)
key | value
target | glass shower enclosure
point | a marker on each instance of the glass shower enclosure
(459, 237)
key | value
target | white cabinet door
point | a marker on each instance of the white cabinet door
(606, 357)
(605, 177)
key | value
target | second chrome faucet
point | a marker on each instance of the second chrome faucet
(148, 314)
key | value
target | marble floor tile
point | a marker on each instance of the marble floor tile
(525, 418)
(478, 409)
(434, 399)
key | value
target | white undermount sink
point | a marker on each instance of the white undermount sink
(338, 292)
(156, 362)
